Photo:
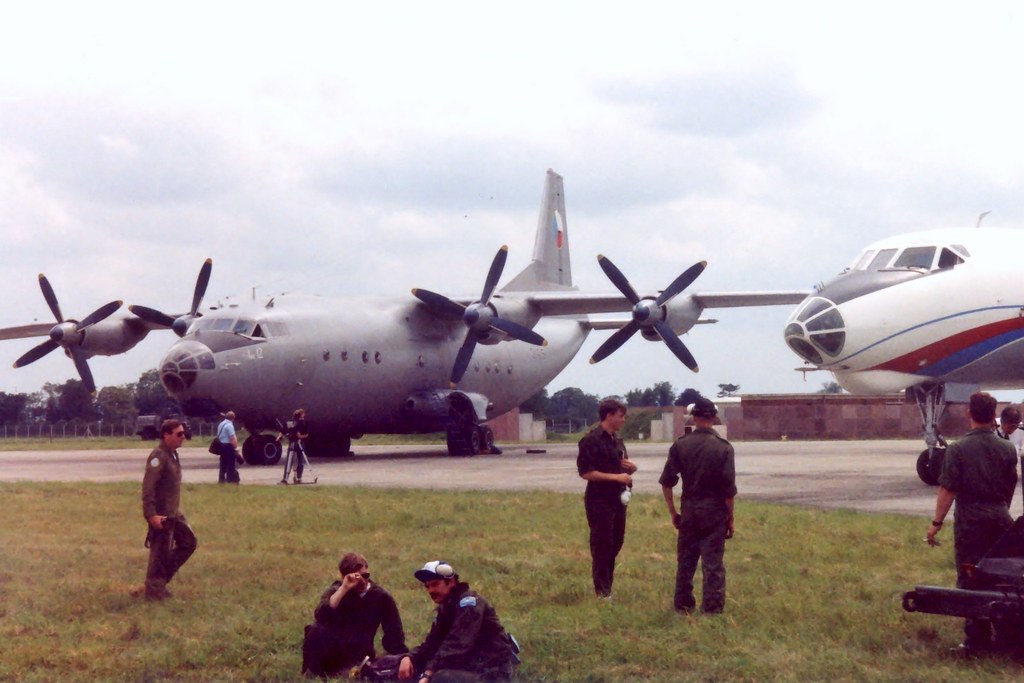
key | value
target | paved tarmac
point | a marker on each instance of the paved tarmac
(872, 476)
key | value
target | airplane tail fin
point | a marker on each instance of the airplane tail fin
(550, 268)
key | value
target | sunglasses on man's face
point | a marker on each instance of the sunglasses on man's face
(179, 433)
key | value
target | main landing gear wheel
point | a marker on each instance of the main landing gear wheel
(486, 439)
(261, 449)
(465, 441)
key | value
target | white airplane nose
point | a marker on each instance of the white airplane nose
(183, 363)
(816, 328)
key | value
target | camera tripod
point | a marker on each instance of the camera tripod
(292, 460)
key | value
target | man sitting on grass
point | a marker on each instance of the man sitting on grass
(466, 642)
(347, 618)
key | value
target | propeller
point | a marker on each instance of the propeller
(480, 317)
(68, 334)
(648, 312)
(181, 323)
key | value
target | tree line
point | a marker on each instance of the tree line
(72, 402)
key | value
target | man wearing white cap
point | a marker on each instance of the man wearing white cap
(466, 641)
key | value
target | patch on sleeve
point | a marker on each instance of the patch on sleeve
(154, 463)
(468, 601)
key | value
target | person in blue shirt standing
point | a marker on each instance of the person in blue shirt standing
(228, 473)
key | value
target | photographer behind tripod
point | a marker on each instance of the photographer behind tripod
(296, 430)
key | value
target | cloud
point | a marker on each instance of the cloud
(716, 104)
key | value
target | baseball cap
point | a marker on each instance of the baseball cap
(703, 407)
(436, 569)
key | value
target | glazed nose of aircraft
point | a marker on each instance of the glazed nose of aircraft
(183, 363)
(816, 328)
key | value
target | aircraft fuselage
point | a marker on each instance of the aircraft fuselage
(351, 363)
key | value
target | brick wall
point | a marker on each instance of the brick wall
(770, 417)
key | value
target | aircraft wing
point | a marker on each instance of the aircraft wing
(576, 303)
(25, 331)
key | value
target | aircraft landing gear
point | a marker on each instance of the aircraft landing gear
(463, 440)
(329, 445)
(931, 403)
(261, 449)
(929, 463)
(470, 440)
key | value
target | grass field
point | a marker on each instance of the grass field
(812, 595)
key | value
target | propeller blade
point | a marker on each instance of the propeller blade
(201, 282)
(676, 345)
(51, 298)
(494, 274)
(615, 341)
(463, 357)
(78, 355)
(36, 352)
(440, 304)
(517, 331)
(618, 279)
(151, 315)
(681, 282)
(99, 314)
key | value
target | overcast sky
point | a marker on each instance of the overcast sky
(337, 148)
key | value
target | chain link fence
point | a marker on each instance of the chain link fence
(84, 430)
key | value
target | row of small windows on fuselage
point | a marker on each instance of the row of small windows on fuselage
(378, 358)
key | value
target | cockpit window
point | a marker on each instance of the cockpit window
(813, 308)
(949, 258)
(221, 324)
(882, 259)
(864, 260)
(916, 257)
(243, 327)
(274, 328)
(962, 250)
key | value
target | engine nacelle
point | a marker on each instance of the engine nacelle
(518, 312)
(434, 410)
(113, 336)
(681, 313)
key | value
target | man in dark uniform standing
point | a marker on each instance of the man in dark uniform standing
(979, 472)
(170, 538)
(606, 466)
(466, 642)
(706, 463)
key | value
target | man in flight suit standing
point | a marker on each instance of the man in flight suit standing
(170, 539)
(706, 463)
(979, 472)
(606, 466)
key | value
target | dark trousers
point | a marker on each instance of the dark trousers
(708, 547)
(607, 520)
(169, 549)
(324, 654)
(972, 538)
(228, 472)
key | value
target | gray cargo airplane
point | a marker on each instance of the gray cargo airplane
(399, 365)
